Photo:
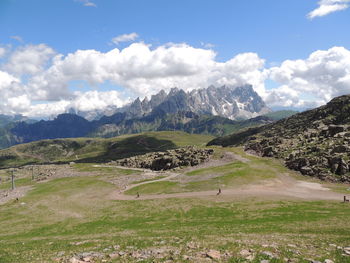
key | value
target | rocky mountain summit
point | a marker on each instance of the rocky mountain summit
(226, 101)
(315, 142)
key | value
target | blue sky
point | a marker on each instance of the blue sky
(274, 30)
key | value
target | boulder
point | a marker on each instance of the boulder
(214, 254)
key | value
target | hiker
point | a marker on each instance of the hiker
(219, 192)
(137, 195)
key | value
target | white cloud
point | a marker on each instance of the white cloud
(18, 38)
(2, 51)
(13, 97)
(207, 45)
(84, 102)
(125, 38)
(87, 3)
(137, 68)
(328, 6)
(142, 71)
(324, 75)
(29, 59)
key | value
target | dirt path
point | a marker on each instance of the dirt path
(282, 187)
(8, 195)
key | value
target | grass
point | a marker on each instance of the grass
(88, 150)
(231, 175)
(76, 214)
(18, 183)
(61, 212)
(224, 169)
(149, 180)
(163, 187)
(92, 167)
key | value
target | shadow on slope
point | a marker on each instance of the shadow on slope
(82, 150)
(132, 146)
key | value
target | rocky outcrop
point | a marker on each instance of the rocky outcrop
(315, 142)
(157, 161)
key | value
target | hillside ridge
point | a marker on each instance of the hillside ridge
(315, 142)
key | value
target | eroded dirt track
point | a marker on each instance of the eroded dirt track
(283, 186)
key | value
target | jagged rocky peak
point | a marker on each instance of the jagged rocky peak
(226, 101)
(158, 98)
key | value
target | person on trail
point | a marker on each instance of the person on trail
(137, 195)
(219, 192)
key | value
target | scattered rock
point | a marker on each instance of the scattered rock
(75, 260)
(192, 245)
(157, 161)
(185, 257)
(247, 254)
(346, 250)
(114, 255)
(214, 254)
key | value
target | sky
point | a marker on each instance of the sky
(91, 54)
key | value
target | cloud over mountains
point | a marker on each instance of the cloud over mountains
(35, 80)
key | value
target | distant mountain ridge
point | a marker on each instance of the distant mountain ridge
(226, 101)
(214, 111)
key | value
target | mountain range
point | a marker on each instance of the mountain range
(215, 110)
(226, 101)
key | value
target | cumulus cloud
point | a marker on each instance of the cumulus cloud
(87, 3)
(29, 59)
(35, 73)
(142, 70)
(138, 68)
(125, 38)
(324, 75)
(328, 6)
(12, 92)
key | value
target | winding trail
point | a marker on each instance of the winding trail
(284, 186)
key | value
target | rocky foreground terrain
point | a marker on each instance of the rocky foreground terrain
(188, 156)
(315, 142)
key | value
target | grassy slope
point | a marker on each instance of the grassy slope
(230, 175)
(97, 150)
(278, 115)
(55, 215)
